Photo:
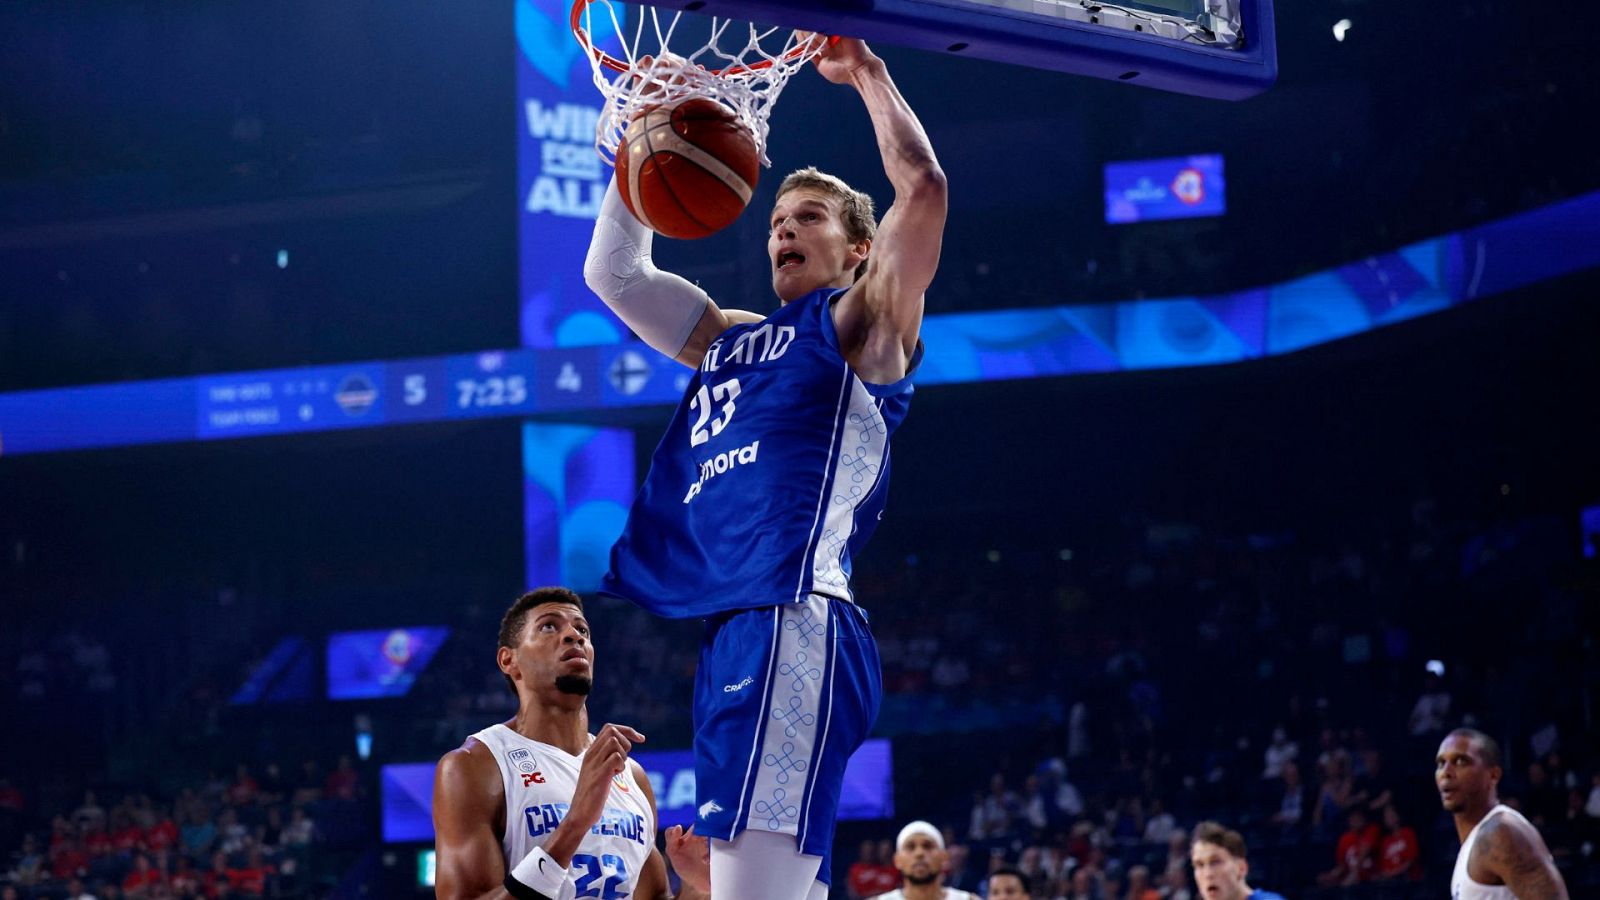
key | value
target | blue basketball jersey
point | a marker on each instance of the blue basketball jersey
(771, 476)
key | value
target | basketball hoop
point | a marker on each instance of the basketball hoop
(747, 80)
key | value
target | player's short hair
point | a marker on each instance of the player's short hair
(860, 223)
(1220, 835)
(1488, 747)
(516, 618)
(1014, 873)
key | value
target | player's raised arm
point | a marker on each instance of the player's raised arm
(468, 798)
(665, 310)
(884, 311)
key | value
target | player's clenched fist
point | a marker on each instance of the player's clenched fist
(607, 756)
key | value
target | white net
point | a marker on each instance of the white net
(647, 73)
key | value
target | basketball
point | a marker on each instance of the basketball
(687, 170)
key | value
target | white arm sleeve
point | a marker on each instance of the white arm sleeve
(660, 307)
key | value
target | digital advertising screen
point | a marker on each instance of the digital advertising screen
(407, 791)
(364, 665)
(1179, 187)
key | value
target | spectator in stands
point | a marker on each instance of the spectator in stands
(127, 838)
(865, 878)
(1178, 850)
(1354, 856)
(301, 831)
(1084, 884)
(1000, 807)
(1397, 852)
(1035, 806)
(273, 788)
(68, 858)
(97, 841)
(1031, 865)
(10, 797)
(250, 879)
(142, 878)
(1280, 751)
(1432, 708)
(162, 834)
(270, 832)
(343, 781)
(30, 865)
(1544, 803)
(1006, 883)
(1291, 803)
(243, 790)
(1175, 883)
(1334, 795)
(89, 813)
(215, 879)
(1066, 799)
(198, 833)
(1222, 866)
(232, 835)
(1139, 886)
(186, 881)
(886, 862)
(1371, 788)
(308, 786)
(1158, 829)
(958, 872)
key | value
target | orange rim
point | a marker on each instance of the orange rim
(617, 65)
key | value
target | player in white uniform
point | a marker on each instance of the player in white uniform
(920, 856)
(1502, 855)
(537, 808)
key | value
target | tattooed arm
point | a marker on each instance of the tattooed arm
(1512, 853)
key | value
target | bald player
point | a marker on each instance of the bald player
(920, 856)
(1502, 855)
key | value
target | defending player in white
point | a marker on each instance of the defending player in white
(537, 808)
(771, 476)
(1502, 855)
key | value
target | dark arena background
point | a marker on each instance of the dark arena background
(1226, 508)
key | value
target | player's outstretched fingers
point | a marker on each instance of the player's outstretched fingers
(626, 736)
(691, 857)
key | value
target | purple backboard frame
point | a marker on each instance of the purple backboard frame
(1003, 35)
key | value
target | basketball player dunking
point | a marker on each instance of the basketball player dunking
(772, 474)
(1502, 855)
(537, 808)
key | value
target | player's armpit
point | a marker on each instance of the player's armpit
(1518, 855)
(468, 799)
(713, 322)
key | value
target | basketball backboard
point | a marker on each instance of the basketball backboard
(1223, 49)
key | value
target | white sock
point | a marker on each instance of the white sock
(762, 865)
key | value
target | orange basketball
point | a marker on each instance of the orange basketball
(687, 170)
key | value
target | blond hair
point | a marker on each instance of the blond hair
(860, 224)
